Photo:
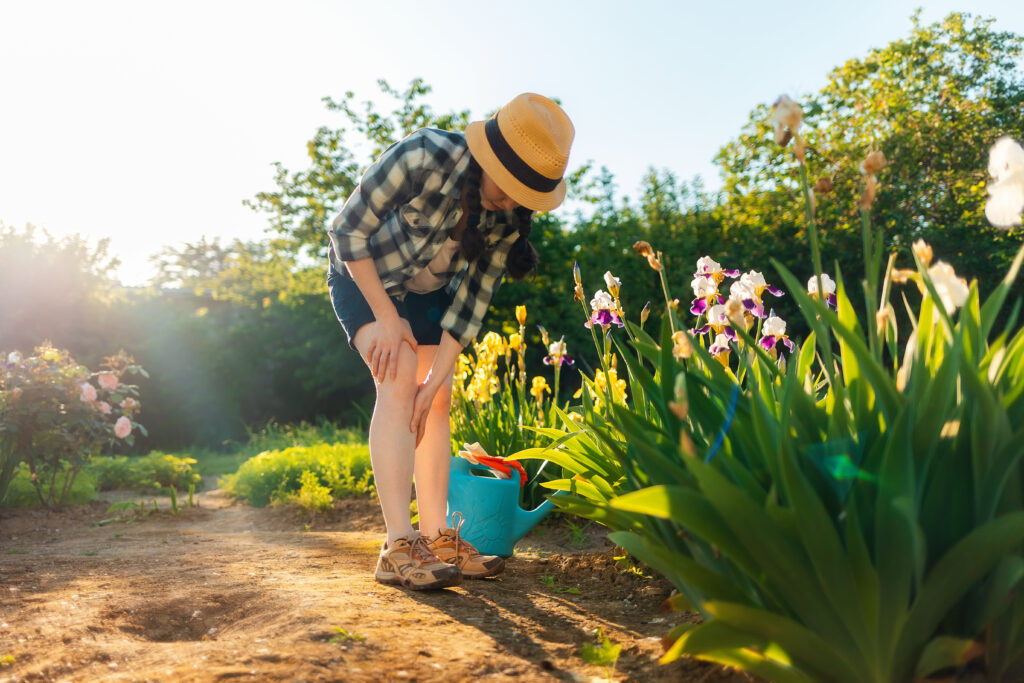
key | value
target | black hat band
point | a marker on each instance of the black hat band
(512, 162)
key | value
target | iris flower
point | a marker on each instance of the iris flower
(557, 354)
(705, 290)
(829, 286)
(604, 310)
(1006, 194)
(710, 268)
(773, 332)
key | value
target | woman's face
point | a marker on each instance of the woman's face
(491, 196)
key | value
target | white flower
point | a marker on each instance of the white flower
(1006, 195)
(952, 290)
(774, 326)
(741, 290)
(716, 315)
(557, 348)
(720, 346)
(14, 357)
(826, 282)
(754, 279)
(602, 301)
(123, 427)
(612, 282)
(703, 287)
(707, 265)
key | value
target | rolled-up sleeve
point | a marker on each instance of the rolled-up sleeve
(465, 316)
(389, 182)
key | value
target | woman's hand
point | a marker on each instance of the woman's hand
(385, 343)
(421, 407)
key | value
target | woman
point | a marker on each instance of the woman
(418, 251)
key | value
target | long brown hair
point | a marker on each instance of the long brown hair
(522, 258)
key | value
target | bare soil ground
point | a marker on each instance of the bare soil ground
(227, 591)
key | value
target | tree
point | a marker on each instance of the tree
(305, 200)
(54, 289)
(934, 103)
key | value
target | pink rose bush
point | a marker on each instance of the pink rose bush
(55, 414)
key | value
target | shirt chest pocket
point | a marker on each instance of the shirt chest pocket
(414, 221)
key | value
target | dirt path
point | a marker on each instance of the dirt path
(232, 592)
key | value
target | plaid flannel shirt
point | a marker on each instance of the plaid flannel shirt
(406, 205)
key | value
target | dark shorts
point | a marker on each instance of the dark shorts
(423, 311)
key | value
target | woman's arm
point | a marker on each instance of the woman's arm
(440, 370)
(389, 331)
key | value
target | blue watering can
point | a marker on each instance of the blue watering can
(490, 506)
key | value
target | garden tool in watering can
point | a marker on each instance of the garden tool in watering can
(485, 489)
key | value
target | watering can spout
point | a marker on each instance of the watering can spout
(525, 520)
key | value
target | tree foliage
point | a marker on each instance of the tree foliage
(933, 102)
(304, 200)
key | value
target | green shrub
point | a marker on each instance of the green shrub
(277, 475)
(274, 437)
(22, 492)
(151, 472)
(312, 495)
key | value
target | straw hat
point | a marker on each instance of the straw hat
(524, 148)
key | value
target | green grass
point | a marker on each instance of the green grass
(22, 494)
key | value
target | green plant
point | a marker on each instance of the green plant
(577, 537)
(345, 636)
(343, 468)
(851, 513)
(148, 473)
(312, 495)
(135, 510)
(55, 414)
(602, 652)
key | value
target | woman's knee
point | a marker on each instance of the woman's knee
(402, 387)
(443, 399)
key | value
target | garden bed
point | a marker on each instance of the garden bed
(231, 591)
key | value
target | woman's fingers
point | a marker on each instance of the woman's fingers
(408, 337)
(392, 366)
(419, 417)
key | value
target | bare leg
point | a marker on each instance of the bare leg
(392, 445)
(434, 453)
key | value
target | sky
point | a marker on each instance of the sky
(149, 123)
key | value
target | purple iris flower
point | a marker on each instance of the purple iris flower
(769, 341)
(604, 317)
(754, 307)
(562, 361)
